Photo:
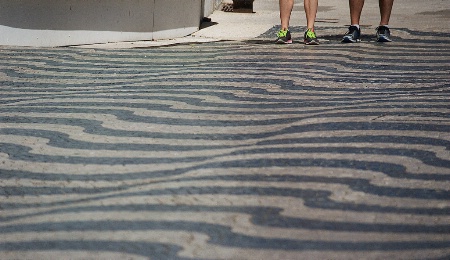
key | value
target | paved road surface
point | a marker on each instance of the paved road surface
(227, 150)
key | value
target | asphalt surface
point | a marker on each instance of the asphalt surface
(232, 147)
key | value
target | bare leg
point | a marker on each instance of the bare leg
(356, 7)
(385, 11)
(311, 12)
(285, 12)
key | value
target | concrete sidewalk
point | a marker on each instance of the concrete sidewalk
(332, 20)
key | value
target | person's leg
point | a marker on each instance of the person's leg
(284, 36)
(385, 11)
(383, 32)
(311, 12)
(354, 32)
(285, 13)
(356, 7)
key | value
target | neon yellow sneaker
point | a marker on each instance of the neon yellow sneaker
(284, 36)
(310, 38)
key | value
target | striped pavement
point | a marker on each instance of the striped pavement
(227, 150)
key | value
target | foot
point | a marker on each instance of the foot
(284, 36)
(310, 38)
(383, 34)
(353, 35)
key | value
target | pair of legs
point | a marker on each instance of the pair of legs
(286, 7)
(356, 7)
(354, 31)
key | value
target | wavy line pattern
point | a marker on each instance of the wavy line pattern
(227, 150)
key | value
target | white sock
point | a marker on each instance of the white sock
(357, 25)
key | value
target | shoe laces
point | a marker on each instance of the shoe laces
(310, 34)
(282, 33)
(352, 29)
(382, 29)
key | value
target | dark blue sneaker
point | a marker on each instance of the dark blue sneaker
(383, 34)
(353, 35)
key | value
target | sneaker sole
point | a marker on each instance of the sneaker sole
(383, 39)
(349, 40)
(312, 43)
(283, 42)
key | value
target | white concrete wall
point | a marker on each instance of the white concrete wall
(72, 22)
(209, 6)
